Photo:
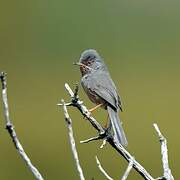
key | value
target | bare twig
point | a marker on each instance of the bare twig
(69, 90)
(164, 152)
(103, 143)
(126, 174)
(118, 147)
(91, 139)
(11, 130)
(109, 138)
(72, 141)
(102, 170)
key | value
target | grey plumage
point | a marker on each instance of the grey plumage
(117, 126)
(100, 88)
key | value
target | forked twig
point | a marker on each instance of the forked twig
(118, 147)
(107, 137)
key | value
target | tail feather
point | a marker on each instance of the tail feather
(119, 134)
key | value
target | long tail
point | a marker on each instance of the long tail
(119, 134)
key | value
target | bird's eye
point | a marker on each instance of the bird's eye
(88, 57)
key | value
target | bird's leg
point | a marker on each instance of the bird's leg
(108, 125)
(107, 122)
(94, 108)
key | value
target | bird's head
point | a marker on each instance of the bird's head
(89, 61)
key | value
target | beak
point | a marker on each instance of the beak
(77, 63)
(81, 65)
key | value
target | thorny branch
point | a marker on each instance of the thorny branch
(103, 134)
(11, 130)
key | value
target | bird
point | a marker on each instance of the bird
(101, 90)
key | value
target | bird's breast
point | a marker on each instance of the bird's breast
(92, 94)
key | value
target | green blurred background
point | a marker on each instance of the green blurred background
(39, 41)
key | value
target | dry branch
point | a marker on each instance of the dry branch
(130, 166)
(11, 130)
(72, 141)
(103, 134)
(102, 170)
(164, 152)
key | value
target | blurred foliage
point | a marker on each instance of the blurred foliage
(140, 42)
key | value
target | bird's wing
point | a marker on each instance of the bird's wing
(102, 84)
